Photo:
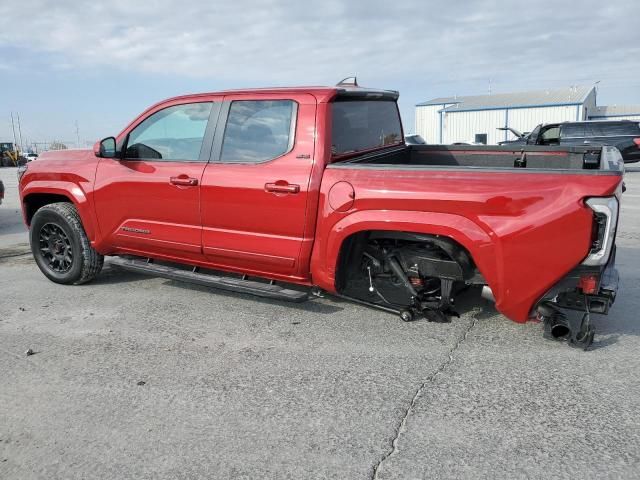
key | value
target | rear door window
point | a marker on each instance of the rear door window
(595, 130)
(573, 130)
(258, 130)
(364, 124)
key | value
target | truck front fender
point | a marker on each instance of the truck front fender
(72, 191)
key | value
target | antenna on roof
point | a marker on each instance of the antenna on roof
(348, 82)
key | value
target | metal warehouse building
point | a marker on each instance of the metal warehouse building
(477, 118)
(616, 112)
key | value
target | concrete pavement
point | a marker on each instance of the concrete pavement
(136, 377)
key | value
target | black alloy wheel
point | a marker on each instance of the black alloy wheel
(55, 248)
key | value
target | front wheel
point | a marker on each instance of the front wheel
(60, 245)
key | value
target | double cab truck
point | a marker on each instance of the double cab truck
(265, 191)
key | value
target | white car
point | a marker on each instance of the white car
(414, 140)
(31, 156)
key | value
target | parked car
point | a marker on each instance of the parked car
(30, 157)
(299, 186)
(1, 192)
(622, 134)
(414, 140)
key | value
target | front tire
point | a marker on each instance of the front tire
(60, 245)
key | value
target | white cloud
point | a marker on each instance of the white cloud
(280, 41)
(425, 48)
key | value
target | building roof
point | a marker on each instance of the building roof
(536, 98)
(615, 111)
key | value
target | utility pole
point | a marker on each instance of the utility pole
(20, 132)
(77, 135)
(15, 141)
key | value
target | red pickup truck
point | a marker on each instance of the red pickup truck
(251, 190)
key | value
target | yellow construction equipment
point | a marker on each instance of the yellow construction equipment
(9, 155)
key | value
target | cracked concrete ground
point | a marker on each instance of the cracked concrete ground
(238, 387)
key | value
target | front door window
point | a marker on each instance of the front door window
(174, 133)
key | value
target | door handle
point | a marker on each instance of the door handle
(184, 181)
(281, 187)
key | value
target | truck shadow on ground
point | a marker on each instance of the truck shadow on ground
(115, 275)
(620, 322)
(623, 316)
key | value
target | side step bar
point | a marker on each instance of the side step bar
(209, 280)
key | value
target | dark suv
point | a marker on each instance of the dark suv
(623, 134)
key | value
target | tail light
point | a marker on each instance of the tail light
(588, 284)
(605, 221)
(598, 231)
(637, 142)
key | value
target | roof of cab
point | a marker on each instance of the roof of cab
(322, 94)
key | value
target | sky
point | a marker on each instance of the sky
(83, 70)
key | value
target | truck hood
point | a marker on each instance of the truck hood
(69, 154)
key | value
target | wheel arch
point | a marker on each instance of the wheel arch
(35, 201)
(350, 245)
(481, 246)
(34, 197)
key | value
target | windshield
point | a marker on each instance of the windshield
(364, 124)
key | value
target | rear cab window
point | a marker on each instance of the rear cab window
(362, 125)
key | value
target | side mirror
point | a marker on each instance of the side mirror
(105, 148)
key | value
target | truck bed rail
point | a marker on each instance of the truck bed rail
(542, 158)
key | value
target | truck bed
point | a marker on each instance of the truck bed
(524, 222)
(492, 156)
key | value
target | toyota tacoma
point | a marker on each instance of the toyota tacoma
(262, 191)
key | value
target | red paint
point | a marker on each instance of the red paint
(524, 231)
(286, 219)
(260, 210)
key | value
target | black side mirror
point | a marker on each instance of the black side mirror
(106, 148)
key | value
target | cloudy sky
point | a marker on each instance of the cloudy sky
(101, 62)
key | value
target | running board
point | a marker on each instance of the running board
(239, 285)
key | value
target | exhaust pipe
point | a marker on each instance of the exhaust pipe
(559, 327)
(556, 325)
